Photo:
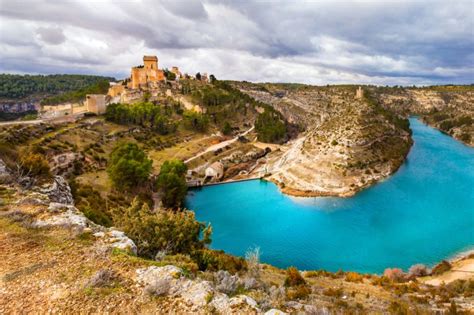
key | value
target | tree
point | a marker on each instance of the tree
(212, 78)
(195, 121)
(227, 129)
(172, 183)
(173, 232)
(270, 126)
(128, 166)
(169, 75)
(198, 76)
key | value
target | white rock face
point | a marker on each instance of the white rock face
(275, 312)
(59, 191)
(118, 239)
(34, 199)
(64, 215)
(148, 275)
(4, 173)
(194, 292)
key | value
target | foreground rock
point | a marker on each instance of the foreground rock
(197, 293)
(40, 205)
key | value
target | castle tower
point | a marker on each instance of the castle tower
(148, 73)
(150, 62)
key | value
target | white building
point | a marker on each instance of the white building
(215, 171)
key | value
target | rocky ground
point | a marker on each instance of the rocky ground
(347, 143)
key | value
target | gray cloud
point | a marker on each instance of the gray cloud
(51, 35)
(416, 42)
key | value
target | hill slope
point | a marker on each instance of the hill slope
(348, 143)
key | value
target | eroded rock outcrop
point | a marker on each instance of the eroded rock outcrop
(51, 205)
(57, 191)
(197, 293)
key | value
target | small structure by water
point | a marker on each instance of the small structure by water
(215, 171)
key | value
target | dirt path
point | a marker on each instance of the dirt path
(218, 146)
(462, 269)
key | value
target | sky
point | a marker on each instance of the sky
(315, 42)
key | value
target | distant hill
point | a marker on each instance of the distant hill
(17, 87)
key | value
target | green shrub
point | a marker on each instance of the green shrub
(173, 232)
(227, 129)
(213, 260)
(34, 164)
(91, 204)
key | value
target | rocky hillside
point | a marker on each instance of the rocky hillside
(448, 108)
(56, 260)
(347, 144)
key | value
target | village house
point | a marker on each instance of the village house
(215, 171)
(96, 103)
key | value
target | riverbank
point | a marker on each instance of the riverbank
(462, 268)
(387, 225)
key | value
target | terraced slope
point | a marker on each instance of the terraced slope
(347, 144)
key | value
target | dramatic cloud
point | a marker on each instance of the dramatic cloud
(323, 42)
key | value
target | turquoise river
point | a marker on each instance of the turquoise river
(422, 214)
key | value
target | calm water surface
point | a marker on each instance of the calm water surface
(422, 214)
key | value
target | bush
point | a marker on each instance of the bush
(213, 260)
(227, 129)
(34, 164)
(175, 232)
(128, 166)
(293, 277)
(395, 274)
(252, 256)
(418, 270)
(333, 292)
(354, 277)
(440, 268)
(90, 202)
(465, 137)
(172, 183)
(298, 292)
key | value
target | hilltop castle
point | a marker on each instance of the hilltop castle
(149, 72)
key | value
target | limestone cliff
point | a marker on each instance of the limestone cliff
(348, 143)
(448, 108)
